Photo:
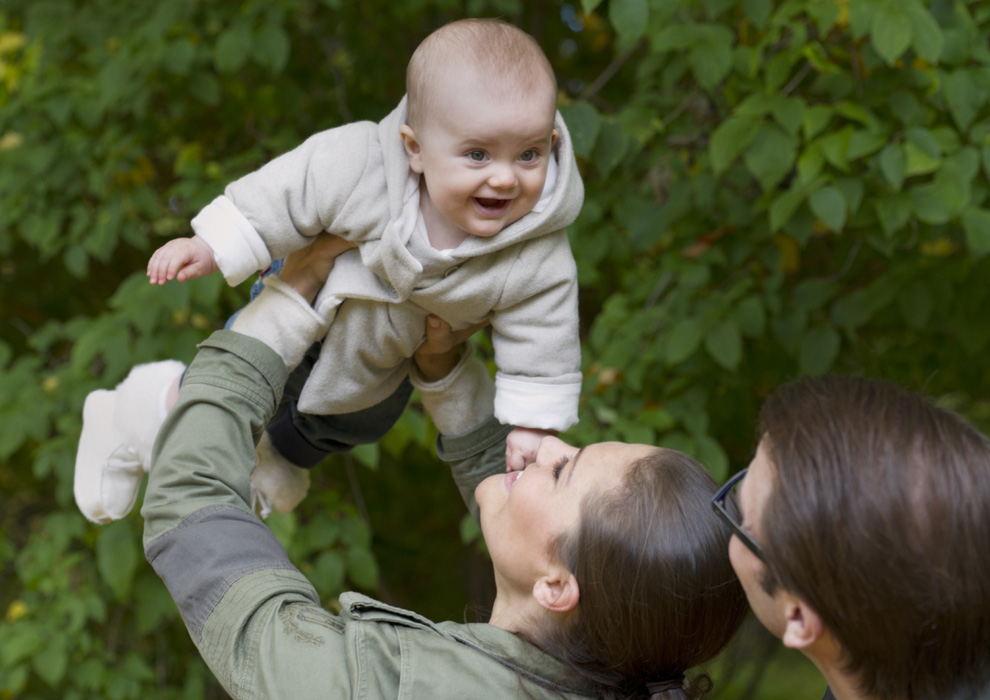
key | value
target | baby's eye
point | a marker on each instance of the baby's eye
(559, 466)
(528, 156)
(477, 156)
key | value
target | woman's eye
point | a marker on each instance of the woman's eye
(528, 156)
(559, 467)
(477, 156)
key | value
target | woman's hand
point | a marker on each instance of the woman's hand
(440, 351)
(306, 270)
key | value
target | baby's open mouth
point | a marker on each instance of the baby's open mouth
(492, 205)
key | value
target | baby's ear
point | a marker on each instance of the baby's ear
(413, 148)
(554, 138)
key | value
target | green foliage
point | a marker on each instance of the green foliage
(774, 188)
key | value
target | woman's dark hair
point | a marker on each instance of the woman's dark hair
(657, 592)
(879, 518)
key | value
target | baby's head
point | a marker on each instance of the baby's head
(482, 100)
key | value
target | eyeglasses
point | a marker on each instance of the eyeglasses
(726, 505)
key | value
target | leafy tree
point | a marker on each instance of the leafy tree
(774, 188)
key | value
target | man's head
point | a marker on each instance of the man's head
(481, 106)
(872, 509)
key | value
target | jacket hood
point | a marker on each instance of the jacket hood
(559, 212)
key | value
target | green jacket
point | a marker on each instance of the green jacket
(254, 617)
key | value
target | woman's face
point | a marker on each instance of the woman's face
(523, 512)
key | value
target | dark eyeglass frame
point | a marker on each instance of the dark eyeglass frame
(722, 509)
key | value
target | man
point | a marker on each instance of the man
(863, 539)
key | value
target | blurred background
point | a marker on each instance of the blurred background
(774, 188)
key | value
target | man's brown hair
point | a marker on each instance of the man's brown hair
(879, 518)
(505, 54)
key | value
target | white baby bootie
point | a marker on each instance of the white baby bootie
(118, 434)
(276, 483)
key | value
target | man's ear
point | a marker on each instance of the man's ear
(557, 591)
(413, 148)
(803, 627)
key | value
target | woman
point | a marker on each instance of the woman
(611, 573)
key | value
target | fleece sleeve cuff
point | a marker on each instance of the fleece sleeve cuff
(237, 248)
(530, 403)
(284, 321)
(462, 399)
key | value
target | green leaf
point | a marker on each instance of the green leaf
(583, 123)
(815, 119)
(179, 57)
(789, 113)
(20, 642)
(829, 205)
(629, 17)
(117, 557)
(362, 567)
(711, 62)
(835, 147)
(271, 48)
(927, 38)
(232, 48)
(613, 143)
(716, 8)
(51, 663)
(729, 139)
(932, 204)
(976, 224)
(810, 165)
(813, 294)
(328, 573)
(724, 344)
(919, 162)
(891, 31)
(368, 455)
(924, 140)
(852, 310)
(962, 94)
(863, 143)
(892, 165)
(751, 317)
(712, 456)
(589, 6)
(784, 206)
(915, 302)
(853, 190)
(861, 17)
(683, 340)
(771, 156)
(757, 11)
(819, 348)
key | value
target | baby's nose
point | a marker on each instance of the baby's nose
(502, 177)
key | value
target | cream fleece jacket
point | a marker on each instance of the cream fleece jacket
(354, 181)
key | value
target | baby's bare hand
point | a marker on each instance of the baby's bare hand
(183, 259)
(521, 446)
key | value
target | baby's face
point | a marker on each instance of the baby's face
(483, 152)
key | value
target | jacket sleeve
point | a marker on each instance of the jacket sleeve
(471, 441)
(273, 211)
(535, 334)
(254, 617)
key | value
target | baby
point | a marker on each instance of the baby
(457, 202)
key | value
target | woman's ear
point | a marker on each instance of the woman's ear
(557, 591)
(413, 148)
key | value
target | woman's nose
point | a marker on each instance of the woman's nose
(552, 449)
